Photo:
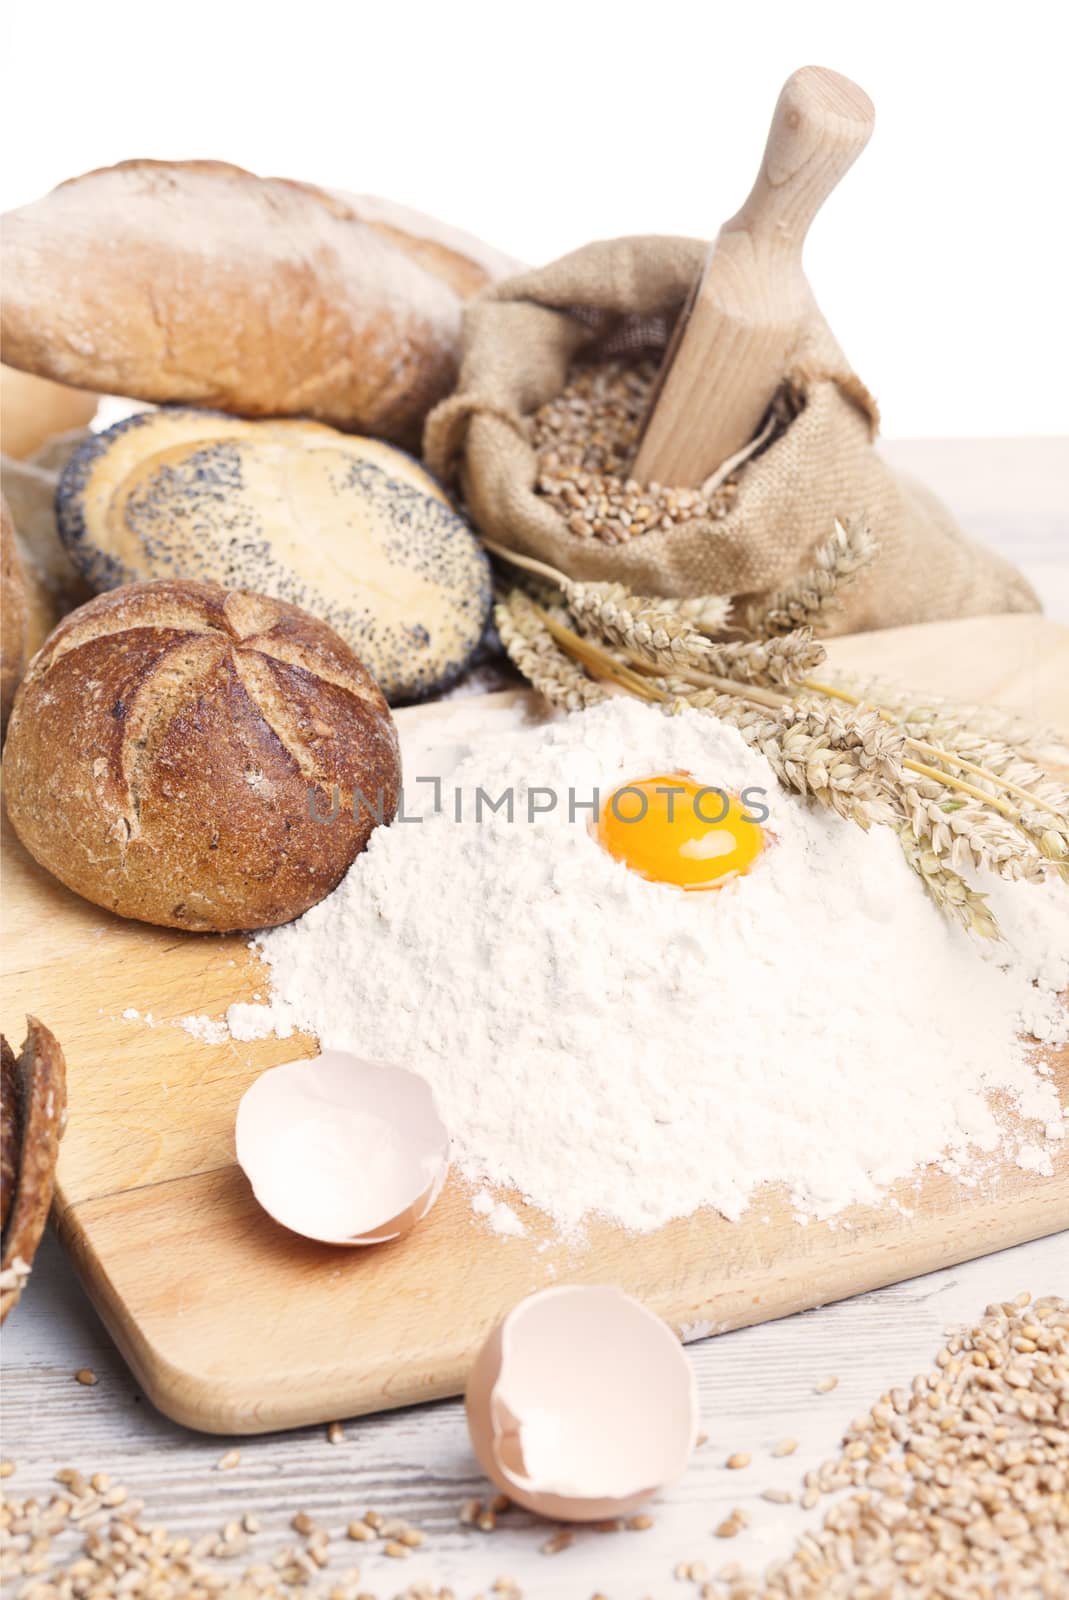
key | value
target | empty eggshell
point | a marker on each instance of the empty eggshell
(581, 1404)
(342, 1150)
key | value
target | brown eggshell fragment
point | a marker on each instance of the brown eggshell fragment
(581, 1404)
(342, 1150)
(39, 1081)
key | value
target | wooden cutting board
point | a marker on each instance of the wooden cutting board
(233, 1325)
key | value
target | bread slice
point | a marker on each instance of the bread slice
(38, 1079)
(351, 529)
(202, 283)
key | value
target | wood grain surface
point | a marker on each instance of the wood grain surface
(232, 1325)
(755, 1387)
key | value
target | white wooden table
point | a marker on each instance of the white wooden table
(756, 1386)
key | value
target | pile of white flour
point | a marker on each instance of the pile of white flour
(606, 1044)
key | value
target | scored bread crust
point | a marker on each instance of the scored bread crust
(200, 282)
(173, 744)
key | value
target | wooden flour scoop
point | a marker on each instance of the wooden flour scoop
(732, 342)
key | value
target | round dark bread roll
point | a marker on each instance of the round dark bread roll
(176, 749)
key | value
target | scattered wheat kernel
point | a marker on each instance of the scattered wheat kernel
(6, 1468)
(826, 1385)
(250, 1522)
(393, 1549)
(469, 1511)
(412, 1537)
(229, 1461)
(785, 1447)
(87, 1376)
(778, 1497)
(486, 1522)
(559, 1541)
(741, 1458)
(361, 1531)
(302, 1523)
(727, 1529)
(703, 1438)
(640, 1523)
(499, 1503)
(335, 1433)
(374, 1519)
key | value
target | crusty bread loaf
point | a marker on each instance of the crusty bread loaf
(352, 529)
(173, 745)
(199, 282)
(33, 411)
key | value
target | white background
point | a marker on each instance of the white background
(940, 263)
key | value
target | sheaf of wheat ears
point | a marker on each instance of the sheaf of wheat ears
(656, 633)
(568, 639)
(940, 875)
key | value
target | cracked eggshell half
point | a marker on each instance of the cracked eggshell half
(342, 1150)
(582, 1404)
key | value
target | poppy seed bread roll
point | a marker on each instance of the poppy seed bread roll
(351, 529)
(173, 745)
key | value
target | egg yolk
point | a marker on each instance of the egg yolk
(673, 830)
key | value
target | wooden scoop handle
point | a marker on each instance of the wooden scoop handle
(730, 346)
(820, 126)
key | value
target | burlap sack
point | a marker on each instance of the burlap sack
(519, 340)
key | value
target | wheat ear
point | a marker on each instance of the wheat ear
(533, 650)
(808, 600)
